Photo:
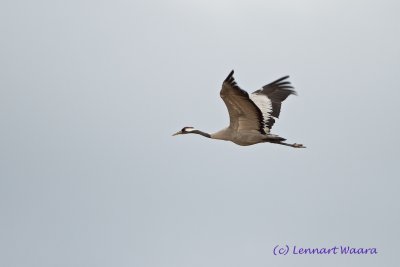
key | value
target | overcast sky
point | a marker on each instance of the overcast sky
(91, 91)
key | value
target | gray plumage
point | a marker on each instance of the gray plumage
(251, 116)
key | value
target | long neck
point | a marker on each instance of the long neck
(201, 133)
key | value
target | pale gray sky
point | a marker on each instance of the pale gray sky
(91, 91)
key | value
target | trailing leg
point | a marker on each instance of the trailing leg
(292, 145)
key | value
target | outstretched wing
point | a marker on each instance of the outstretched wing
(243, 112)
(269, 100)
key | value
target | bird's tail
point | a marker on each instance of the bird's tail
(274, 138)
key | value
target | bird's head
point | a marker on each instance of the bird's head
(185, 130)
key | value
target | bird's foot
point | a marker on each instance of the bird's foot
(298, 145)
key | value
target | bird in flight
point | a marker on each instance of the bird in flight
(251, 115)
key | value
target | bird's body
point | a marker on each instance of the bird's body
(244, 138)
(251, 116)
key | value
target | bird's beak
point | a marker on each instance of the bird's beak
(177, 133)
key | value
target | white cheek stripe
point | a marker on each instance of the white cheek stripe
(265, 105)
